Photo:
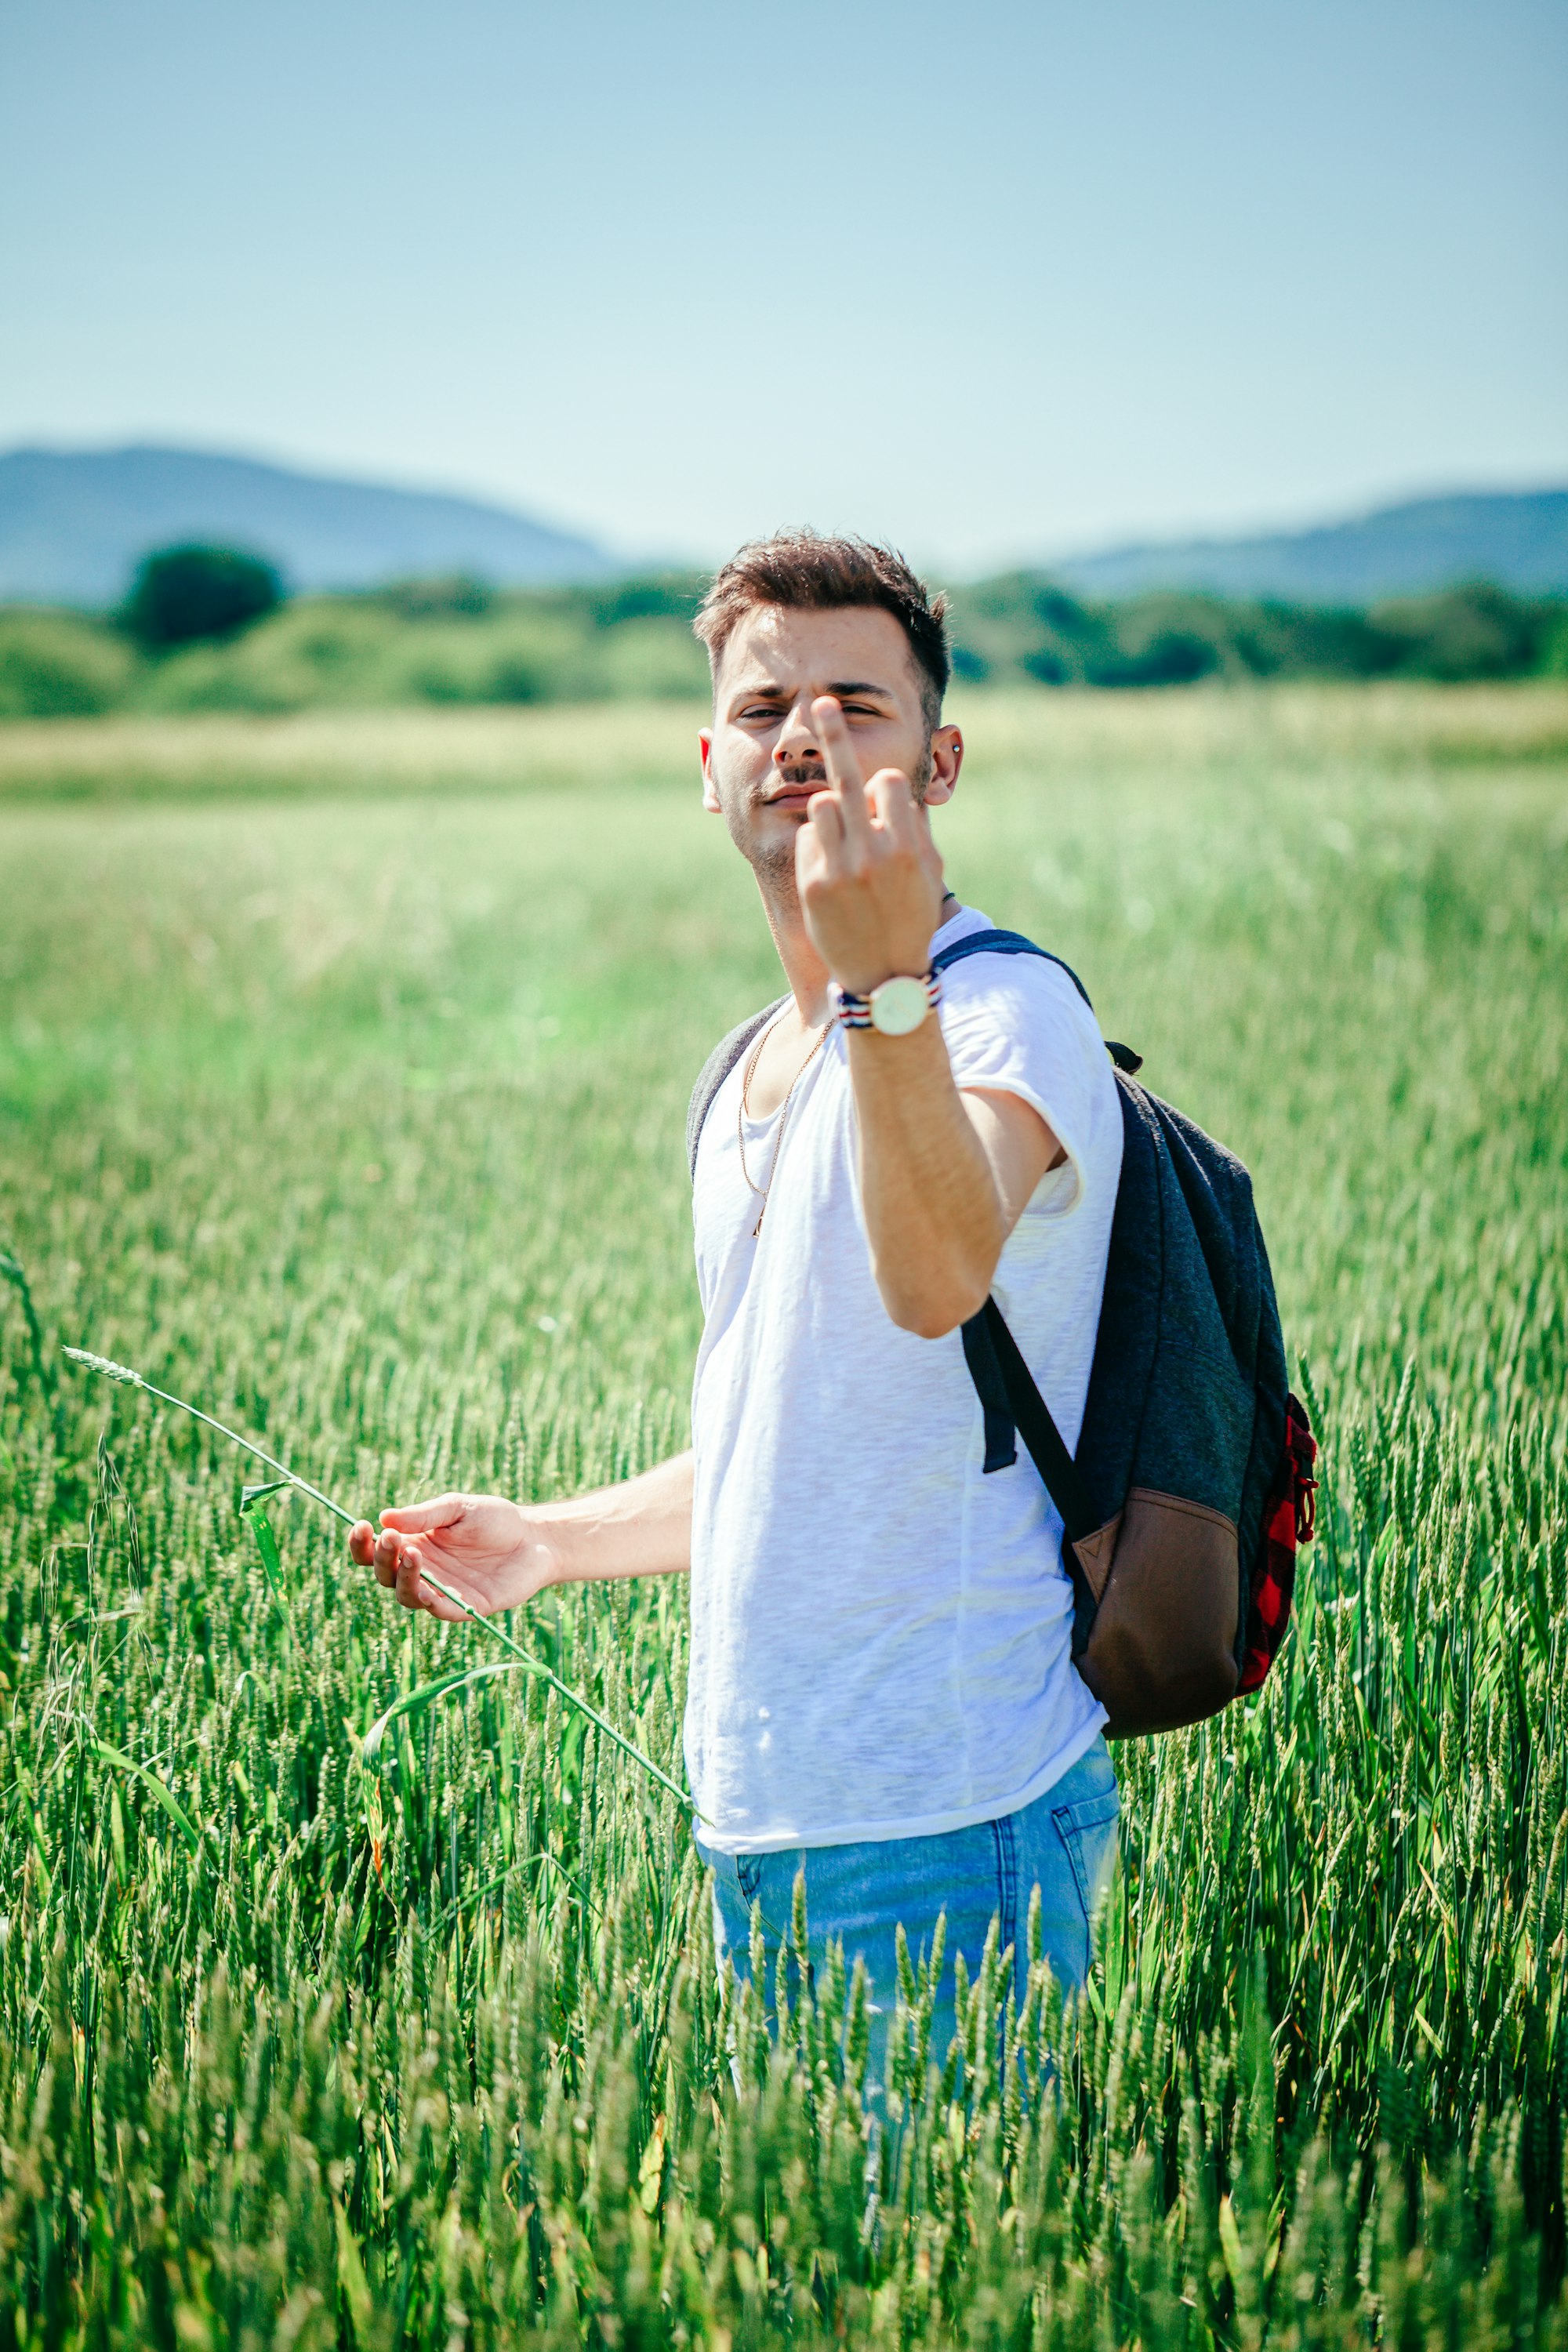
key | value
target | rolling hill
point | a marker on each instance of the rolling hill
(1517, 539)
(74, 522)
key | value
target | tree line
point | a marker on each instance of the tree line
(206, 628)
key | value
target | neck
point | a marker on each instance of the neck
(804, 969)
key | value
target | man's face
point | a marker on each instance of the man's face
(760, 758)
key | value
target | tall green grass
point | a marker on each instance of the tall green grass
(357, 1118)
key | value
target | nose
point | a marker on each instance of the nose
(797, 739)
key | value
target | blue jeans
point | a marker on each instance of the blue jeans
(856, 1895)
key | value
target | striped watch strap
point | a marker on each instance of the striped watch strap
(854, 1012)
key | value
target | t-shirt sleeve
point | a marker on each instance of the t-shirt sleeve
(1015, 1025)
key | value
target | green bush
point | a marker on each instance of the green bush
(659, 595)
(59, 664)
(323, 651)
(432, 642)
(1021, 625)
(1163, 640)
(1174, 657)
(652, 657)
(1270, 639)
(1475, 631)
(182, 595)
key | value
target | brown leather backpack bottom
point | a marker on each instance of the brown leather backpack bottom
(1164, 1573)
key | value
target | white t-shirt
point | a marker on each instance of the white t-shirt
(881, 1633)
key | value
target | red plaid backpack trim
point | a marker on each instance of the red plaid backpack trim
(1289, 1520)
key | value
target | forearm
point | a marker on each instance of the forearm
(641, 1526)
(934, 1218)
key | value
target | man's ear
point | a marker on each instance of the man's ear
(711, 799)
(946, 759)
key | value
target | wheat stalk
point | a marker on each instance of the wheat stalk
(106, 1368)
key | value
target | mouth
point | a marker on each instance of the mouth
(793, 796)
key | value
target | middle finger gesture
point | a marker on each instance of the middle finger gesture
(866, 866)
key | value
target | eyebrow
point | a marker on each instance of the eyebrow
(841, 689)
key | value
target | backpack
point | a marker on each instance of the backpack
(1192, 1484)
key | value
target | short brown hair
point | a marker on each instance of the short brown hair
(807, 572)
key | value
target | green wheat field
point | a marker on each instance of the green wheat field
(342, 1063)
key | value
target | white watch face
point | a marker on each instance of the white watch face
(898, 1006)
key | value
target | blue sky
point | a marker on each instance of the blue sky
(995, 281)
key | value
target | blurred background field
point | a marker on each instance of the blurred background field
(342, 1070)
(1398, 725)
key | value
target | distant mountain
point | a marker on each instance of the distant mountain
(74, 522)
(1517, 539)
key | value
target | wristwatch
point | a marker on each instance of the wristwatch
(899, 1004)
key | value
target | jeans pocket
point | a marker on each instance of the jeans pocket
(749, 1876)
(1087, 1832)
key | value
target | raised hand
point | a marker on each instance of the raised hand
(492, 1552)
(867, 868)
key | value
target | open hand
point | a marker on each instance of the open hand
(867, 868)
(492, 1552)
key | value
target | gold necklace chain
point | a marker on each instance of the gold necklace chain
(746, 1076)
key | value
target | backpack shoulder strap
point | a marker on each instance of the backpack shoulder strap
(1015, 943)
(1005, 1385)
(1009, 1397)
(1011, 1400)
(729, 1050)
(1004, 943)
(714, 1072)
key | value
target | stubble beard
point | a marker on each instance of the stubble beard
(772, 861)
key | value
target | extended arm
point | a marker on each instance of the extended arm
(499, 1554)
(944, 1177)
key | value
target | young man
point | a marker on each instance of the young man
(881, 1687)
